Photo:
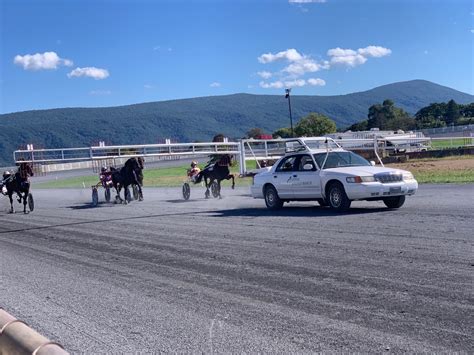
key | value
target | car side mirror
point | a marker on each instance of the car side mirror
(308, 167)
(372, 163)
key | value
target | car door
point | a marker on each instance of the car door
(282, 176)
(306, 182)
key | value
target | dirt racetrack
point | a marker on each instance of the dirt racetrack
(228, 275)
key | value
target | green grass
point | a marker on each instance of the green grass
(438, 177)
(159, 177)
(450, 143)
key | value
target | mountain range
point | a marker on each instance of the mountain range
(199, 119)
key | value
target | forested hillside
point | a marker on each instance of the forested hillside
(201, 118)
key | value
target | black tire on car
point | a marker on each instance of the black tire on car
(394, 202)
(272, 200)
(337, 198)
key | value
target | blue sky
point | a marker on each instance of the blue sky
(106, 53)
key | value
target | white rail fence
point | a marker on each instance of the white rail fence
(245, 150)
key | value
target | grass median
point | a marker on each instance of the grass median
(442, 170)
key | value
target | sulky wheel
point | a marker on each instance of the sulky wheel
(186, 191)
(215, 189)
(136, 192)
(95, 196)
(31, 202)
(128, 195)
(107, 194)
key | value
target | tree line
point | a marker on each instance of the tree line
(385, 116)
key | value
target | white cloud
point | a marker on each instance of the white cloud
(215, 84)
(295, 83)
(100, 92)
(264, 74)
(91, 72)
(352, 58)
(290, 55)
(301, 64)
(374, 51)
(306, 1)
(274, 85)
(41, 61)
(148, 86)
(316, 82)
(300, 67)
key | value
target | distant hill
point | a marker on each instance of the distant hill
(201, 118)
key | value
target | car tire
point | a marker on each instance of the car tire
(272, 200)
(337, 198)
(394, 202)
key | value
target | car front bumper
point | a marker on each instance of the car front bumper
(373, 190)
(256, 191)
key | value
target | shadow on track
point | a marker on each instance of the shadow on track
(297, 211)
(102, 221)
(89, 205)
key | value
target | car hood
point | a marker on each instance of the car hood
(364, 170)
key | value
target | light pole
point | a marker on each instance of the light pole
(287, 96)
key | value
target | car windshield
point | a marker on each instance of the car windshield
(340, 160)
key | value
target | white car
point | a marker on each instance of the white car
(319, 169)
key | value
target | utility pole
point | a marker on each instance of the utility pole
(287, 96)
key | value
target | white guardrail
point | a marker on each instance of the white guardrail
(245, 149)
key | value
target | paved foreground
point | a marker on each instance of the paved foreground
(228, 275)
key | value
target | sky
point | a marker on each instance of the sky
(94, 53)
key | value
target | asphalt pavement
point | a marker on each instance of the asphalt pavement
(230, 276)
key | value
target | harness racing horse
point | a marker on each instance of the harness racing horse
(130, 174)
(18, 183)
(216, 172)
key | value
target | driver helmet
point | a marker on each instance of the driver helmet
(6, 174)
(193, 164)
(103, 169)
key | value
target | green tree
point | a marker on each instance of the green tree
(389, 117)
(452, 113)
(358, 126)
(431, 116)
(282, 133)
(218, 138)
(314, 125)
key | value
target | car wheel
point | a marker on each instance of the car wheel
(272, 200)
(337, 198)
(394, 202)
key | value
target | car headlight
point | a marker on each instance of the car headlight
(359, 179)
(408, 176)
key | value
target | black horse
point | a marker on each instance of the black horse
(18, 183)
(217, 171)
(131, 174)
